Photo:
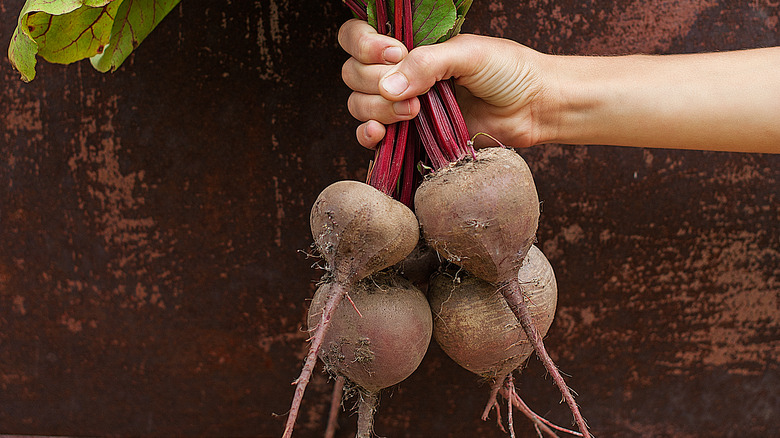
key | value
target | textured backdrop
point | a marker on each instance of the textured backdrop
(154, 223)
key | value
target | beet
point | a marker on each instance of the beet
(482, 215)
(378, 347)
(359, 231)
(384, 343)
(419, 265)
(474, 325)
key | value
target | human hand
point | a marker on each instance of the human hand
(500, 90)
(713, 101)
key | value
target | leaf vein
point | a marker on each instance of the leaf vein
(88, 28)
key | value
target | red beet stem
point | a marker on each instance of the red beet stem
(338, 292)
(442, 129)
(425, 129)
(407, 24)
(513, 294)
(398, 155)
(383, 159)
(381, 17)
(447, 92)
(358, 8)
(398, 20)
(410, 176)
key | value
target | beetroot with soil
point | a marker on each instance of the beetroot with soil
(358, 231)
(378, 347)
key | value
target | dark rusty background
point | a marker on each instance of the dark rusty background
(152, 221)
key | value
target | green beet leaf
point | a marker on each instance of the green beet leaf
(462, 7)
(63, 39)
(135, 19)
(431, 19)
(66, 31)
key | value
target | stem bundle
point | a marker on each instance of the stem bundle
(437, 136)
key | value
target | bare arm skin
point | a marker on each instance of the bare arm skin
(726, 101)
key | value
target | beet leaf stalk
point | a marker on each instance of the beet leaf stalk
(358, 7)
(440, 129)
(389, 158)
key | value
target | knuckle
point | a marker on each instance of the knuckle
(374, 110)
(347, 71)
(352, 106)
(422, 60)
(346, 35)
(365, 107)
(365, 47)
(342, 36)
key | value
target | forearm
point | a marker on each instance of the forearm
(716, 101)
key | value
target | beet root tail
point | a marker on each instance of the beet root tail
(335, 404)
(337, 294)
(509, 383)
(542, 425)
(493, 403)
(506, 388)
(366, 408)
(514, 297)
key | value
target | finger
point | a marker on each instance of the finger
(370, 133)
(364, 44)
(362, 77)
(424, 66)
(366, 107)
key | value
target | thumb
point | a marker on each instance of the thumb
(426, 65)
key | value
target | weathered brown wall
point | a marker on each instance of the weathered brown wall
(153, 223)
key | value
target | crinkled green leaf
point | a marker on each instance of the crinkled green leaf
(60, 31)
(22, 52)
(135, 19)
(65, 31)
(431, 19)
(462, 7)
(63, 39)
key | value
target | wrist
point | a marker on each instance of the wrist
(568, 100)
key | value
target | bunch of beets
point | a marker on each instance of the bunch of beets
(491, 294)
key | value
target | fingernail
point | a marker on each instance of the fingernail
(393, 54)
(395, 84)
(403, 108)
